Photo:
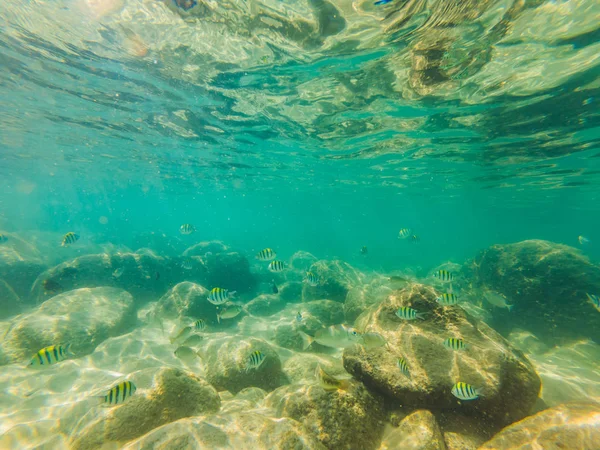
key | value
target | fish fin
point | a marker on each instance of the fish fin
(422, 316)
(306, 340)
(218, 317)
(480, 392)
(100, 399)
(510, 307)
(344, 385)
(232, 293)
(68, 350)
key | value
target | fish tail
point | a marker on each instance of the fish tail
(68, 350)
(306, 340)
(218, 317)
(232, 293)
(480, 392)
(422, 316)
(510, 307)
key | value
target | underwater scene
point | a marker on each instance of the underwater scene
(300, 224)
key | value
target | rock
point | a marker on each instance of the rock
(542, 280)
(176, 394)
(265, 305)
(336, 278)
(351, 419)
(10, 303)
(291, 292)
(509, 380)
(364, 296)
(20, 264)
(226, 362)
(418, 431)
(186, 300)
(245, 400)
(572, 426)
(302, 261)
(235, 431)
(83, 317)
(301, 367)
(206, 247)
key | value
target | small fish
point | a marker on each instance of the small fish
(382, 2)
(447, 299)
(274, 288)
(299, 317)
(373, 340)
(187, 264)
(119, 393)
(229, 313)
(51, 355)
(404, 233)
(255, 360)
(186, 5)
(186, 354)
(364, 250)
(200, 325)
(312, 279)
(595, 300)
(218, 296)
(276, 266)
(415, 238)
(69, 238)
(118, 272)
(583, 240)
(403, 366)
(397, 279)
(455, 344)
(183, 334)
(3, 238)
(443, 275)
(407, 313)
(51, 287)
(497, 300)
(187, 228)
(329, 382)
(335, 336)
(193, 340)
(464, 391)
(266, 254)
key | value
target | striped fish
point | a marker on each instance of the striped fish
(255, 359)
(407, 313)
(595, 300)
(51, 355)
(404, 233)
(455, 344)
(187, 264)
(266, 254)
(276, 266)
(119, 393)
(447, 299)
(443, 275)
(403, 366)
(464, 391)
(312, 279)
(200, 325)
(187, 228)
(3, 238)
(218, 296)
(415, 238)
(69, 238)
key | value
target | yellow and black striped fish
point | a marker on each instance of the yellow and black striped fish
(447, 299)
(276, 266)
(200, 325)
(51, 355)
(455, 344)
(187, 228)
(312, 279)
(266, 254)
(403, 366)
(404, 233)
(69, 238)
(443, 275)
(255, 359)
(218, 296)
(465, 391)
(407, 313)
(595, 300)
(119, 393)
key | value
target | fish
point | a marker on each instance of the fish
(595, 300)
(266, 254)
(335, 336)
(187, 264)
(69, 238)
(186, 5)
(255, 360)
(373, 340)
(187, 228)
(404, 233)
(403, 366)
(464, 391)
(364, 250)
(329, 382)
(382, 2)
(118, 272)
(274, 288)
(397, 279)
(455, 344)
(119, 393)
(3, 238)
(184, 333)
(200, 325)
(312, 279)
(276, 266)
(51, 355)
(299, 317)
(583, 240)
(407, 313)
(187, 354)
(415, 238)
(447, 299)
(497, 300)
(193, 340)
(229, 313)
(443, 275)
(218, 296)
(51, 287)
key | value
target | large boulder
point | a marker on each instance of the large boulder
(344, 419)
(10, 303)
(186, 300)
(83, 318)
(547, 285)
(508, 379)
(336, 278)
(365, 295)
(417, 431)
(175, 395)
(573, 426)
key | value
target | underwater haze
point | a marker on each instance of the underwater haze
(320, 224)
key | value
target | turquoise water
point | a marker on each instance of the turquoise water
(317, 126)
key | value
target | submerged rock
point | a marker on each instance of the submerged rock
(175, 395)
(546, 283)
(364, 296)
(341, 419)
(417, 431)
(265, 305)
(186, 299)
(83, 318)
(508, 379)
(20, 264)
(573, 426)
(10, 303)
(336, 278)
